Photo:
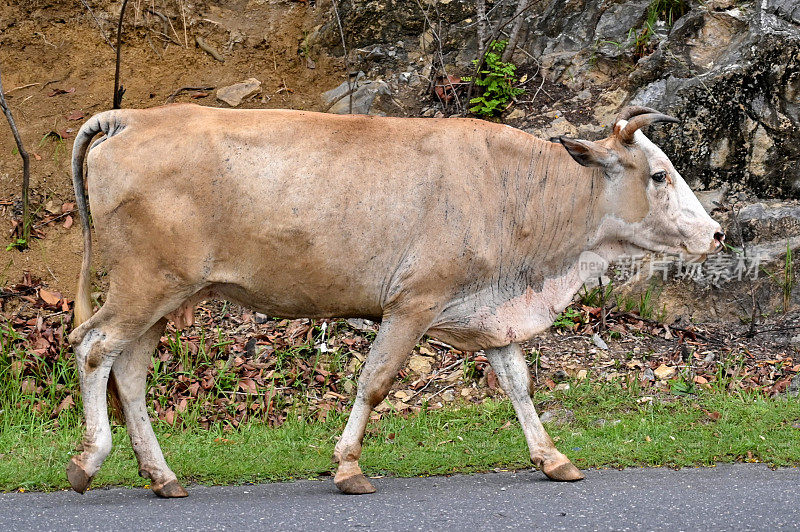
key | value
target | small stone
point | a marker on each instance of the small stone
(449, 396)
(599, 342)
(420, 364)
(563, 387)
(360, 324)
(402, 394)
(664, 372)
(466, 392)
(582, 374)
(795, 340)
(362, 98)
(648, 375)
(516, 114)
(234, 94)
(560, 376)
(261, 318)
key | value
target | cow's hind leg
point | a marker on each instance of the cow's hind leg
(395, 340)
(96, 348)
(130, 376)
(124, 318)
(515, 379)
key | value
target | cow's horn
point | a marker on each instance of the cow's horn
(633, 110)
(640, 121)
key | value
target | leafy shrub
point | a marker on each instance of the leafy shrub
(497, 79)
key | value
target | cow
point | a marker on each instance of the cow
(462, 229)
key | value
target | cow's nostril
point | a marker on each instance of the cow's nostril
(719, 236)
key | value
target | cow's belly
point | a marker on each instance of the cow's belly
(481, 321)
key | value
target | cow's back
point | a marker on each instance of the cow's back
(317, 214)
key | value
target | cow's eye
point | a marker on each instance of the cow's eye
(659, 177)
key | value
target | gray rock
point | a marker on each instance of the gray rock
(362, 98)
(794, 386)
(648, 375)
(596, 340)
(769, 222)
(360, 324)
(234, 94)
(332, 95)
(613, 30)
(712, 199)
(746, 55)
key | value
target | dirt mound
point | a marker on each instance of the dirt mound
(58, 69)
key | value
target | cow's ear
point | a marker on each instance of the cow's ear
(587, 153)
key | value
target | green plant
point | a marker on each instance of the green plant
(567, 319)
(647, 305)
(665, 10)
(595, 297)
(787, 283)
(683, 387)
(497, 79)
(56, 139)
(644, 305)
(19, 243)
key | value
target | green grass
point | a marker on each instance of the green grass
(668, 431)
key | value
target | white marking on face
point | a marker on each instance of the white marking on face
(676, 221)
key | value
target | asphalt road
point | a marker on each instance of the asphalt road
(727, 497)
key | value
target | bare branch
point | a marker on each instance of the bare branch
(119, 91)
(350, 85)
(513, 37)
(26, 166)
(481, 9)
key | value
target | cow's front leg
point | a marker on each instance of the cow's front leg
(515, 379)
(396, 338)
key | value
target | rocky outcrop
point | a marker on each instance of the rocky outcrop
(732, 74)
(729, 70)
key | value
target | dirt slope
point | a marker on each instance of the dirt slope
(58, 69)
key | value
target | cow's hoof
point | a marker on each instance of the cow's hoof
(563, 472)
(171, 490)
(77, 477)
(355, 485)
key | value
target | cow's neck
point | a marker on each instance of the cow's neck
(562, 212)
(567, 212)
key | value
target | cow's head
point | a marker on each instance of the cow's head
(656, 208)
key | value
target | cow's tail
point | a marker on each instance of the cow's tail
(109, 123)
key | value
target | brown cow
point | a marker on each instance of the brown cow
(463, 229)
